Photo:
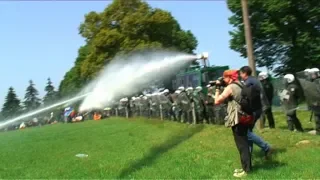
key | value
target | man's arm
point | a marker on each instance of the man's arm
(219, 98)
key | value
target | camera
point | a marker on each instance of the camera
(222, 83)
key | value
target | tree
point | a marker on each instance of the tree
(123, 26)
(11, 107)
(31, 100)
(286, 33)
(51, 95)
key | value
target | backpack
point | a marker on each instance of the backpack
(250, 100)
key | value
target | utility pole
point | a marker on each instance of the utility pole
(247, 30)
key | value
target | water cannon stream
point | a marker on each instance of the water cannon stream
(123, 76)
(16, 119)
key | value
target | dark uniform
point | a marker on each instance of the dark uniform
(268, 89)
(316, 109)
(220, 111)
(202, 110)
(185, 116)
(171, 112)
(209, 102)
(292, 104)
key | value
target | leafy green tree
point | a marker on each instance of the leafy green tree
(31, 100)
(123, 26)
(51, 95)
(11, 106)
(285, 33)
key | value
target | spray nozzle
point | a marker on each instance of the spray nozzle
(203, 55)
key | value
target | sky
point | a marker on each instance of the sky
(39, 39)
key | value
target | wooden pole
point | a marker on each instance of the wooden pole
(248, 36)
(247, 30)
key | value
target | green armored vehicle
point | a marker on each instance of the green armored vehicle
(196, 76)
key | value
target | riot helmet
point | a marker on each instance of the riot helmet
(263, 76)
(314, 73)
(288, 79)
(181, 88)
(177, 92)
(198, 89)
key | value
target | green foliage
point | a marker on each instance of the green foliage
(286, 33)
(31, 100)
(123, 26)
(51, 95)
(11, 106)
(152, 149)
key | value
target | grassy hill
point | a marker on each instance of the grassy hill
(121, 148)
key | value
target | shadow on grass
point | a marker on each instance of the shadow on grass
(268, 165)
(271, 163)
(275, 153)
(157, 151)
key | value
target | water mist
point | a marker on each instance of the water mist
(123, 76)
(127, 75)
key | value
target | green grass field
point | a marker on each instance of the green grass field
(121, 148)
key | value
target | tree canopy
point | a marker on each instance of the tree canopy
(11, 106)
(285, 33)
(51, 94)
(123, 26)
(31, 99)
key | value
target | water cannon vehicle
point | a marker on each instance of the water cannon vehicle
(198, 74)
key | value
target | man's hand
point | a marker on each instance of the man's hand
(218, 82)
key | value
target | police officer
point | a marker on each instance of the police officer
(268, 90)
(315, 77)
(168, 110)
(176, 108)
(209, 102)
(292, 103)
(191, 114)
(201, 112)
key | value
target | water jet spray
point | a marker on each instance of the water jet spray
(122, 77)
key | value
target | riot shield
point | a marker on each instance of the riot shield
(134, 106)
(175, 107)
(164, 101)
(266, 101)
(184, 104)
(288, 95)
(198, 101)
(165, 106)
(310, 89)
(154, 106)
(123, 108)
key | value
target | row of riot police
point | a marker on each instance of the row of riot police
(188, 105)
(292, 90)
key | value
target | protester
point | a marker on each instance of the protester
(232, 94)
(245, 73)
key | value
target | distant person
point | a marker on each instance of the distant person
(22, 125)
(245, 73)
(314, 74)
(209, 106)
(268, 89)
(291, 104)
(232, 94)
